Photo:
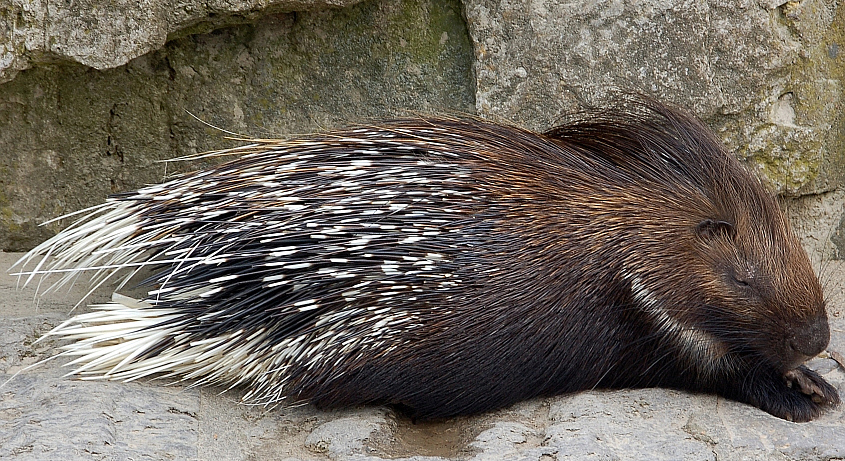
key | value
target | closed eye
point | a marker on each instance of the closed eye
(740, 282)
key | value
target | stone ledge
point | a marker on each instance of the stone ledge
(45, 415)
(107, 34)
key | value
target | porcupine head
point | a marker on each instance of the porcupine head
(716, 271)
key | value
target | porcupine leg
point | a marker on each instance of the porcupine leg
(799, 395)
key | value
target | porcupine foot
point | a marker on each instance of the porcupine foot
(798, 395)
(811, 384)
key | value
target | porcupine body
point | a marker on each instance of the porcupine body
(452, 266)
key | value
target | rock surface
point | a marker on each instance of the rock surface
(72, 135)
(103, 91)
(46, 416)
(766, 75)
(106, 34)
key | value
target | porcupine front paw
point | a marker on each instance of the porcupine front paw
(803, 396)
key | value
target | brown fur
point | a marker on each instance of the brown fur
(624, 249)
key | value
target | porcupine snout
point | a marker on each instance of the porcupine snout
(807, 341)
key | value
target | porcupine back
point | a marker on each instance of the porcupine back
(448, 266)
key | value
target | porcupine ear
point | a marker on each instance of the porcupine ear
(711, 228)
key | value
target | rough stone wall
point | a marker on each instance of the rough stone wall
(766, 76)
(107, 34)
(97, 93)
(73, 134)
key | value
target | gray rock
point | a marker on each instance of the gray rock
(766, 75)
(814, 219)
(103, 34)
(17, 350)
(73, 135)
(345, 436)
(756, 71)
(510, 440)
(599, 426)
(45, 415)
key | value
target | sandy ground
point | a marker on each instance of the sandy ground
(46, 416)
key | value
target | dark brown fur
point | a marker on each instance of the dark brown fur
(627, 249)
(638, 195)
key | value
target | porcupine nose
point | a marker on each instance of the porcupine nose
(807, 341)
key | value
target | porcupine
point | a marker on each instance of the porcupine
(451, 266)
